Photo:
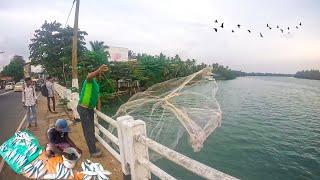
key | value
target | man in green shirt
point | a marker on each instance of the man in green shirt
(90, 99)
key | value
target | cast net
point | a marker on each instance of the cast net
(176, 106)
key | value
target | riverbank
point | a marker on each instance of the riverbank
(46, 120)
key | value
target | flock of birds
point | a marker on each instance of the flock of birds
(283, 30)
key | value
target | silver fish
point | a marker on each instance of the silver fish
(90, 173)
(12, 154)
(42, 173)
(60, 172)
(22, 162)
(21, 159)
(87, 177)
(32, 172)
(67, 175)
(102, 175)
(27, 168)
(34, 150)
(16, 158)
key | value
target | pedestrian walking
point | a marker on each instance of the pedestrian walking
(90, 99)
(50, 90)
(29, 101)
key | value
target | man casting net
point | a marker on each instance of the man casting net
(170, 108)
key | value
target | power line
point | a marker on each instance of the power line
(70, 12)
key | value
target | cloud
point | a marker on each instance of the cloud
(180, 27)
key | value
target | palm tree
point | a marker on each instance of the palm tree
(98, 46)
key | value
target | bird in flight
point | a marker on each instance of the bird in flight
(232, 31)
(268, 26)
(238, 25)
(281, 30)
(277, 26)
(216, 21)
(221, 25)
(215, 29)
(288, 28)
(300, 24)
(249, 31)
(297, 27)
(261, 35)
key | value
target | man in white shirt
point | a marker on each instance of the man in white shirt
(49, 84)
(29, 101)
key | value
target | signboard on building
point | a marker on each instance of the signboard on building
(118, 53)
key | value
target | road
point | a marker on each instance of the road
(11, 114)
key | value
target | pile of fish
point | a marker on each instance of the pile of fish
(22, 138)
(94, 171)
(36, 169)
(15, 158)
(62, 172)
(13, 150)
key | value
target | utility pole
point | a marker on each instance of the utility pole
(75, 48)
(75, 95)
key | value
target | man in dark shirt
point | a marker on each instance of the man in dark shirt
(59, 139)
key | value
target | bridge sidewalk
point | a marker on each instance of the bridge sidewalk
(46, 120)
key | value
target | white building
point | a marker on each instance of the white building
(118, 53)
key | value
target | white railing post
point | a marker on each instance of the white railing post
(131, 150)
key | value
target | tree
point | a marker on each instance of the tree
(51, 47)
(15, 68)
(98, 46)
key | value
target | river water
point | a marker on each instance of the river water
(270, 130)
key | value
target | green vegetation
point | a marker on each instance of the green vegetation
(51, 48)
(14, 68)
(308, 74)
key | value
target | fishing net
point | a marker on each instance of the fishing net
(176, 106)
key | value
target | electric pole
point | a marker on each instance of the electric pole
(75, 48)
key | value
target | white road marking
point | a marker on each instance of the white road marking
(18, 129)
(6, 92)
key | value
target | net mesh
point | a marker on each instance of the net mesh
(176, 106)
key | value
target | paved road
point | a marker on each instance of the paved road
(11, 114)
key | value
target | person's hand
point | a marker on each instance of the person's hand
(103, 68)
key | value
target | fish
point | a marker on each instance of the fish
(27, 167)
(22, 162)
(32, 172)
(34, 150)
(91, 173)
(13, 153)
(102, 175)
(87, 177)
(16, 158)
(67, 175)
(61, 172)
(42, 173)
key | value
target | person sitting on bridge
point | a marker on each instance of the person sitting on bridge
(59, 139)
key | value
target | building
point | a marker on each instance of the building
(118, 54)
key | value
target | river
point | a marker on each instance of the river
(270, 130)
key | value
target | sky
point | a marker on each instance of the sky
(183, 27)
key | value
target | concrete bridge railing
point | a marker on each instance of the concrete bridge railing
(133, 147)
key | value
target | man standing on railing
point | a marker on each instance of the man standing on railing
(90, 99)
